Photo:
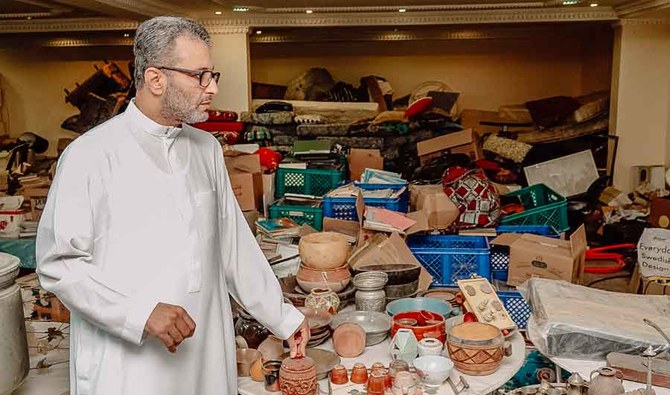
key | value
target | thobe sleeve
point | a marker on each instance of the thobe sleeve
(248, 275)
(65, 243)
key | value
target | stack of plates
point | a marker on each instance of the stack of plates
(319, 325)
(376, 325)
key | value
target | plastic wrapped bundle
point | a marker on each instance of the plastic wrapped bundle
(576, 322)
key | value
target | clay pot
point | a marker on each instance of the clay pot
(297, 376)
(476, 348)
(325, 250)
(323, 299)
(336, 279)
(359, 373)
(339, 375)
(253, 332)
(428, 324)
(349, 340)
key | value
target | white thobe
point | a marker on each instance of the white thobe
(140, 213)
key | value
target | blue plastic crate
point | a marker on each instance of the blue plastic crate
(345, 207)
(452, 258)
(516, 306)
(500, 254)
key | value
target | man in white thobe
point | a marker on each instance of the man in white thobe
(143, 241)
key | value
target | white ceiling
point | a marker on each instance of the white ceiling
(39, 16)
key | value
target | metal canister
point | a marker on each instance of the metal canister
(13, 342)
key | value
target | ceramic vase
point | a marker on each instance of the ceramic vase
(430, 346)
(606, 381)
(404, 345)
(323, 299)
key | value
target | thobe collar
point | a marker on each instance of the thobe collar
(150, 126)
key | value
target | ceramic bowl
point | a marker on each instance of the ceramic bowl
(325, 361)
(324, 250)
(337, 279)
(245, 358)
(444, 294)
(296, 295)
(433, 369)
(414, 304)
(317, 319)
(376, 325)
(423, 323)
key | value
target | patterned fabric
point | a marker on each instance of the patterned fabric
(474, 195)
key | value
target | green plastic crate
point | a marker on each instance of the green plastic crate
(316, 182)
(543, 207)
(312, 216)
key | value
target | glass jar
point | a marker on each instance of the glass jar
(251, 330)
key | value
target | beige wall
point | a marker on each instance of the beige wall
(489, 73)
(231, 57)
(33, 83)
(641, 84)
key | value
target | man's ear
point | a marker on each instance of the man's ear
(154, 80)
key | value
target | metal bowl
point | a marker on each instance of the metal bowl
(376, 325)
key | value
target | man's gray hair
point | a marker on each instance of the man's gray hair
(155, 39)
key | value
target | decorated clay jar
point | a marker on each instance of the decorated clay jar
(325, 250)
(297, 376)
(323, 299)
(476, 348)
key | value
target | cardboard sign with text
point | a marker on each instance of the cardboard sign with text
(653, 253)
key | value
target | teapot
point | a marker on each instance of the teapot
(607, 381)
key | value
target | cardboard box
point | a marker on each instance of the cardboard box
(361, 159)
(388, 250)
(251, 216)
(37, 198)
(537, 256)
(648, 285)
(439, 210)
(246, 179)
(464, 142)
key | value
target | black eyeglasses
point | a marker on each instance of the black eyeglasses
(205, 76)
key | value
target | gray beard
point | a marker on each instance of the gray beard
(176, 106)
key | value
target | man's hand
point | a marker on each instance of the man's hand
(171, 324)
(298, 341)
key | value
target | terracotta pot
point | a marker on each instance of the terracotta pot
(476, 348)
(325, 250)
(339, 375)
(359, 373)
(336, 279)
(428, 324)
(297, 376)
(323, 299)
(349, 340)
(245, 358)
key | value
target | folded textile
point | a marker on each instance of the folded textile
(507, 148)
(272, 118)
(329, 129)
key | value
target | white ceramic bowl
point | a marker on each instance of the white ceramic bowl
(433, 369)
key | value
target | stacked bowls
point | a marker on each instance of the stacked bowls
(319, 325)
